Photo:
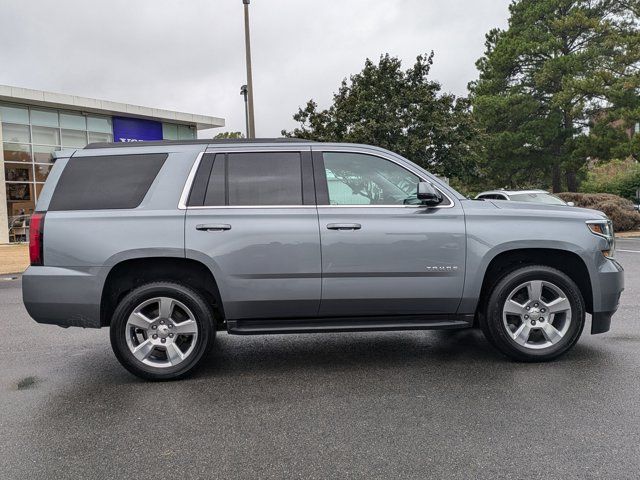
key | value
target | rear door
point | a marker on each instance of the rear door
(252, 217)
(383, 253)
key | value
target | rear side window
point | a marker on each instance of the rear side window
(264, 179)
(250, 179)
(493, 197)
(106, 182)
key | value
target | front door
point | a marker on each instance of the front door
(251, 217)
(383, 253)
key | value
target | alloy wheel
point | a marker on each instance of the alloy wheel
(161, 332)
(537, 314)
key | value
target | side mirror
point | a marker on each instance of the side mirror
(428, 195)
(571, 204)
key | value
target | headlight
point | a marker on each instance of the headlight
(604, 229)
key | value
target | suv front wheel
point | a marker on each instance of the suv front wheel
(161, 331)
(535, 313)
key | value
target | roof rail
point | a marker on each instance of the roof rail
(200, 141)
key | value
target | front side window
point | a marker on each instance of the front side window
(360, 179)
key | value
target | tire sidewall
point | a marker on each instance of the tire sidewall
(497, 332)
(202, 316)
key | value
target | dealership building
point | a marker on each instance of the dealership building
(36, 123)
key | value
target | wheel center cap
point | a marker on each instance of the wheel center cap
(535, 314)
(163, 331)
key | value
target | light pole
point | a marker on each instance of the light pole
(251, 126)
(244, 91)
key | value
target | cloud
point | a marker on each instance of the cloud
(188, 55)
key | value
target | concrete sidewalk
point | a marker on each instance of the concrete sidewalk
(14, 258)
(631, 234)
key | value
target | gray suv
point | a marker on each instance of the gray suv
(166, 243)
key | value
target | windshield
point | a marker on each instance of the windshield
(537, 198)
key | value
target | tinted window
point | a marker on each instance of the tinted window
(261, 179)
(106, 182)
(264, 179)
(216, 192)
(199, 185)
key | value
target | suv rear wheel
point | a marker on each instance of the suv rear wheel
(535, 313)
(161, 331)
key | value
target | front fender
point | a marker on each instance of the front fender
(491, 232)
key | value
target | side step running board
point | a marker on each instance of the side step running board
(353, 324)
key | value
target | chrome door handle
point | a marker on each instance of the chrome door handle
(344, 226)
(213, 228)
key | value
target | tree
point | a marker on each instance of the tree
(558, 86)
(403, 111)
(223, 135)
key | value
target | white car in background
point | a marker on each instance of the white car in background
(531, 196)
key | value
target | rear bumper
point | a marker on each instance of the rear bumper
(63, 296)
(607, 293)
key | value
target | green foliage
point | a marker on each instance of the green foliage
(223, 135)
(401, 110)
(618, 209)
(618, 177)
(561, 69)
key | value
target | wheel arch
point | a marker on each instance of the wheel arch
(569, 263)
(131, 273)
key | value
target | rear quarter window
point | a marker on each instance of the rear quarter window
(106, 182)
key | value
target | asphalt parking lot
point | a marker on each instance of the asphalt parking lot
(369, 405)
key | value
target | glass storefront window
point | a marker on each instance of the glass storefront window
(185, 132)
(44, 118)
(42, 172)
(100, 137)
(18, 172)
(42, 153)
(46, 135)
(11, 114)
(74, 138)
(15, 133)
(169, 131)
(72, 121)
(15, 152)
(99, 124)
(18, 194)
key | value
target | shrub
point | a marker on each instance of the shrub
(618, 209)
(619, 177)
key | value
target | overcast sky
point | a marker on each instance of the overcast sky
(188, 55)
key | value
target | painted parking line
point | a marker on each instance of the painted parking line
(627, 251)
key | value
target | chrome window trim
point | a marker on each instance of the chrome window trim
(182, 204)
(230, 207)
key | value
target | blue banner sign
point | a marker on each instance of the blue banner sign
(136, 130)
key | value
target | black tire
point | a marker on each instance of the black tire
(203, 317)
(494, 328)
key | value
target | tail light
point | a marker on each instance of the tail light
(36, 239)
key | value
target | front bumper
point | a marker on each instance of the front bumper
(63, 296)
(606, 295)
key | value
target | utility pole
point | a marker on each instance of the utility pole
(244, 91)
(251, 126)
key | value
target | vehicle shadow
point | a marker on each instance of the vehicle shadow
(284, 354)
